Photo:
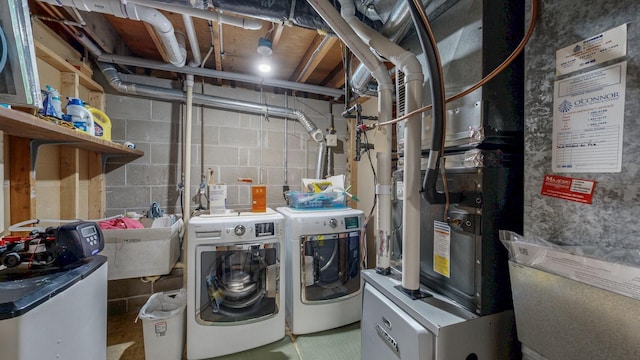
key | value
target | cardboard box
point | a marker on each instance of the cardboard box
(151, 251)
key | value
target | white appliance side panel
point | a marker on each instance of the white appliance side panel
(72, 325)
(389, 333)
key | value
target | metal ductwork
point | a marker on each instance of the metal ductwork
(112, 76)
(397, 24)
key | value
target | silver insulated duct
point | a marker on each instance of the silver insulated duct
(112, 76)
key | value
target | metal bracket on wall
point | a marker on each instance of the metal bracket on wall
(105, 158)
(35, 145)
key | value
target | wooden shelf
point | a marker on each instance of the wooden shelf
(21, 124)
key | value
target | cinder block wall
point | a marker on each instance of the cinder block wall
(231, 143)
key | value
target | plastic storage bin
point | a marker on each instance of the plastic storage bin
(151, 251)
(303, 200)
(163, 325)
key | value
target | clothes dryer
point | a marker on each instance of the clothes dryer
(322, 268)
(235, 287)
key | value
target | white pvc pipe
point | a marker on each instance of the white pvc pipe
(210, 14)
(408, 63)
(412, 187)
(164, 29)
(153, 17)
(331, 16)
(193, 40)
(187, 151)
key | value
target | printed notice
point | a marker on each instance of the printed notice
(442, 248)
(578, 190)
(595, 50)
(588, 118)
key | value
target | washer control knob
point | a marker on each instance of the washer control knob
(239, 230)
(333, 223)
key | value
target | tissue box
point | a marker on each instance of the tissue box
(151, 251)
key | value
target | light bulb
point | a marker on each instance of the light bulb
(264, 67)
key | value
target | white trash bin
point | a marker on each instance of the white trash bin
(163, 325)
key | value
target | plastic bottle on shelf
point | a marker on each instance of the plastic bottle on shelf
(80, 116)
(102, 123)
(53, 100)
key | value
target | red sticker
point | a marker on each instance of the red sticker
(578, 190)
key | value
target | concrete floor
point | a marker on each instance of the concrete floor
(125, 341)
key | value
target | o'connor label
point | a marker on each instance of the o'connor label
(578, 190)
(595, 50)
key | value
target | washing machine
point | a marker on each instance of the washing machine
(322, 268)
(235, 286)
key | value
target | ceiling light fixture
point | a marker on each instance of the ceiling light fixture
(264, 49)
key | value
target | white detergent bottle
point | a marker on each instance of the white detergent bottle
(80, 116)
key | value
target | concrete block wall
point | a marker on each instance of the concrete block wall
(233, 144)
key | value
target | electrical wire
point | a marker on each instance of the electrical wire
(4, 50)
(484, 80)
(206, 57)
(363, 246)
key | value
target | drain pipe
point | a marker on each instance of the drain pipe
(385, 103)
(408, 63)
(187, 151)
(193, 42)
(163, 27)
(112, 76)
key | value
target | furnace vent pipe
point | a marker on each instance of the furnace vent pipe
(163, 27)
(316, 134)
(385, 97)
(331, 16)
(395, 28)
(408, 63)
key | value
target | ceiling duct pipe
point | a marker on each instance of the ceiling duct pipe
(408, 63)
(199, 11)
(216, 74)
(176, 55)
(208, 73)
(112, 76)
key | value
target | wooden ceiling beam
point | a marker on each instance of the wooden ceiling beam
(336, 78)
(314, 55)
(157, 42)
